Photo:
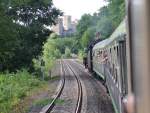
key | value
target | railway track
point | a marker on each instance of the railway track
(98, 101)
(49, 108)
(80, 94)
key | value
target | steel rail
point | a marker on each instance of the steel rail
(80, 93)
(49, 108)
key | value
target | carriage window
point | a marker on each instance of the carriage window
(110, 61)
(96, 53)
(93, 53)
(114, 48)
(117, 51)
(116, 75)
(113, 71)
(99, 53)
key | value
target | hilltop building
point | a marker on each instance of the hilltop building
(67, 22)
(58, 28)
(65, 26)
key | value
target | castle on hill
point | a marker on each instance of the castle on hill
(65, 26)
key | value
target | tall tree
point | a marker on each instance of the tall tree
(103, 22)
(117, 11)
(8, 41)
(83, 24)
(87, 37)
(30, 18)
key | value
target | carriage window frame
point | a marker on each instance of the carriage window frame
(93, 54)
(117, 64)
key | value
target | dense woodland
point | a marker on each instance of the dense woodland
(104, 22)
(22, 36)
(25, 42)
(22, 31)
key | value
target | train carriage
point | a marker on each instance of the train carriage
(124, 61)
(109, 62)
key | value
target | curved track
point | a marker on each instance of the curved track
(49, 107)
(77, 83)
(98, 101)
(79, 101)
(78, 105)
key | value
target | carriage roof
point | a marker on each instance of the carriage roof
(121, 30)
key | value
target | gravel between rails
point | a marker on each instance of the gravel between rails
(98, 100)
(69, 94)
(84, 95)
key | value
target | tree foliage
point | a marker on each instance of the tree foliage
(83, 24)
(53, 49)
(8, 41)
(104, 22)
(34, 12)
(87, 36)
(23, 31)
(53, 36)
(67, 52)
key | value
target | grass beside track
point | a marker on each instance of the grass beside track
(46, 101)
(15, 87)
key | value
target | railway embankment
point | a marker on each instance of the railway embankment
(21, 93)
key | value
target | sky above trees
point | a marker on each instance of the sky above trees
(76, 8)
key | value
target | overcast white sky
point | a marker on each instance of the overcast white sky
(76, 8)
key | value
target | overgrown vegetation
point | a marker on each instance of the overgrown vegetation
(55, 48)
(46, 101)
(23, 33)
(14, 87)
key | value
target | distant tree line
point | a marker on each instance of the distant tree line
(55, 48)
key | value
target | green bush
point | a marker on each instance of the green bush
(81, 54)
(67, 52)
(14, 87)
